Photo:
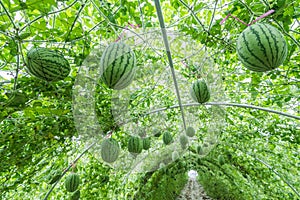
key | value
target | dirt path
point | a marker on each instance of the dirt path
(193, 190)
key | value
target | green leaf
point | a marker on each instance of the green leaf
(13, 46)
(24, 35)
(111, 18)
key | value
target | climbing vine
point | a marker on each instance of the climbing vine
(251, 120)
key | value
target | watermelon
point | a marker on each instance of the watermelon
(183, 141)
(110, 150)
(117, 66)
(146, 143)
(175, 155)
(190, 131)
(47, 64)
(261, 47)
(135, 145)
(199, 91)
(167, 138)
(72, 182)
(200, 150)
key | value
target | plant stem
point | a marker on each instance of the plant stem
(7, 13)
(168, 51)
(105, 17)
(73, 24)
(50, 13)
(18, 68)
(203, 27)
(213, 16)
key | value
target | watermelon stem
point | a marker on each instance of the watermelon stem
(168, 51)
(263, 16)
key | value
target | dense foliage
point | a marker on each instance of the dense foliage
(249, 131)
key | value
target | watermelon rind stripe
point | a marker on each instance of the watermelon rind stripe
(272, 51)
(117, 66)
(197, 88)
(135, 145)
(45, 72)
(261, 45)
(114, 64)
(127, 72)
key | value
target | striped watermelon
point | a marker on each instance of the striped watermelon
(167, 138)
(199, 91)
(110, 150)
(261, 47)
(190, 131)
(135, 145)
(183, 139)
(175, 155)
(146, 143)
(72, 182)
(117, 66)
(200, 150)
(47, 64)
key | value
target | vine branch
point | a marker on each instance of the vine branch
(104, 16)
(50, 13)
(202, 25)
(76, 18)
(213, 15)
(7, 13)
